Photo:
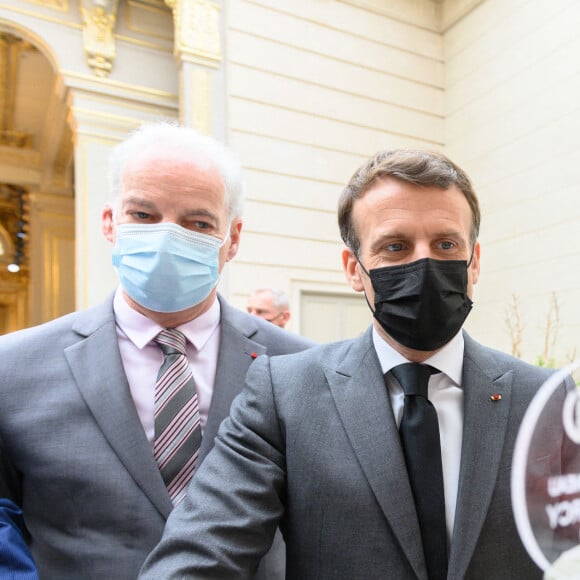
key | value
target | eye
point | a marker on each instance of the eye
(207, 226)
(139, 216)
(447, 245)
(396, 247)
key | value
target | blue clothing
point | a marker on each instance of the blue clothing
(16, 562)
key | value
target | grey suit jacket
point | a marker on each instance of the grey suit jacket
(312, 444)
(74, 453)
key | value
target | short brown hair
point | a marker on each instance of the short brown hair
(427, 168)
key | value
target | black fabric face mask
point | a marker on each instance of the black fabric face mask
(423, 304)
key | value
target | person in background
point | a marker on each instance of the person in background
(387, 456)
(16, 561)
(271, 305)
(106, 413)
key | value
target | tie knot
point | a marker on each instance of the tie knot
(171, 341)
(414, 378)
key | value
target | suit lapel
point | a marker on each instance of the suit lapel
(236, 353)
(484, 428)
(96, 365)
(362, 401)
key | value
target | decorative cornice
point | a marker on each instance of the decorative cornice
(61, 5)
(417, 12)
(452, 11)
(435, 15)
(19, 157)
(137, 95)
(17, 139)
(99, 18)
(197, 31)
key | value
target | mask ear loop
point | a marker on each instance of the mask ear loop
(225, 239)
(369, 277)
(274, 317)
(228, 232)
(360, 264)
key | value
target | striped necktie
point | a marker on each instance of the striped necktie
(177, 424)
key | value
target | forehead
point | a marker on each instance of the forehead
(261, 298)
(172, 167)
(392, 203)
(162, 151)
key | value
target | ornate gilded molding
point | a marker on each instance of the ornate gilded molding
(14, 219)
(55, 4)
(11, 49)
(197, 31)
(99, 18)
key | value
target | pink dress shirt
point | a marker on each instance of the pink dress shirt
(142, 357)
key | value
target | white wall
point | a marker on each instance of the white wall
(313, 89)
(512, 112)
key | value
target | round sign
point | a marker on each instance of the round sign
(545, 481)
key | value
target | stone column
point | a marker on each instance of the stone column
(51, 256)
(198, 51)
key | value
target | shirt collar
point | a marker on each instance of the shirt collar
(448, 360)
(142, 330)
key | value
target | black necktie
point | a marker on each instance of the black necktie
(419, 431)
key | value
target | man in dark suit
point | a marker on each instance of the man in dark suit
(318, 442)
(82, 398)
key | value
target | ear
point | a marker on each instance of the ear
(107, 224)
(234, 241)
(351, 269)
(475, 263)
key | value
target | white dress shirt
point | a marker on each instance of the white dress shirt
(446, 394)
(142, 358)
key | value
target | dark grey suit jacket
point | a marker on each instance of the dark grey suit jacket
(312, 444)
(75, 455)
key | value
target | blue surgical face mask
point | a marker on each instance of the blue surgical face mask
(164, 267)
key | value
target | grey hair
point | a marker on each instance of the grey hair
(279, 299)
(203, 149)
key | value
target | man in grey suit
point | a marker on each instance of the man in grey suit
(78, 400)
(313, 442)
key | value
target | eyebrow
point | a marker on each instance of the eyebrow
(449, 234)
(383, 239)
(400, 236)
(201, 212)
(134, 200)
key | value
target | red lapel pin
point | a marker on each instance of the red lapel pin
(496, 397)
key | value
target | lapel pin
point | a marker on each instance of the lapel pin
(254, 355)
(496, 397)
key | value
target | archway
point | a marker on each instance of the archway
(36, 184)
